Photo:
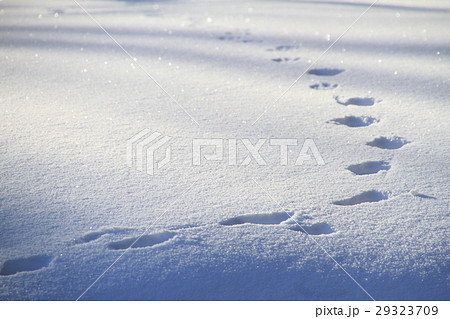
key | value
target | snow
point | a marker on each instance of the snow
(376, 106)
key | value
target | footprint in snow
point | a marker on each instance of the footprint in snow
(98, 234)
(323, 86)
(143, 241)
(278, 218)
(358, 101)
(259, 219)
(354, 121)
(314, 229)
(33, 263)
(285, 48)
(365, 197)
(229, 36)
(325, 72)
(369, 167)
(244, 37)
(286, 60)
(390, 143)
(281, 48)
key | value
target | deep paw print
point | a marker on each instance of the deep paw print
(259, 219)
(358, 101)
(285, 219)
(364, 197)
(144, 241)
(95, 235)
(27, 264)
(354, 121)
(369, 167)
(325, 72)
(388, 143)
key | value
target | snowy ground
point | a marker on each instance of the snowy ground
(71, 98)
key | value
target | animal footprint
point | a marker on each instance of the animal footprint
(229, 36)
(285, 48)
(285, 60)
(323, 86)
(359, 101)
(355, 121)
(97, 234)
(142, 242)
(370, 167)
(33, 263)
(388, 143)
(325, 72)
(239, 37)
(365, 197)
(314, 229)
(260, 219)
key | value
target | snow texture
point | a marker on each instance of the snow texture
(376, 105)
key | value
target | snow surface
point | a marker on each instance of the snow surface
(376, 105)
